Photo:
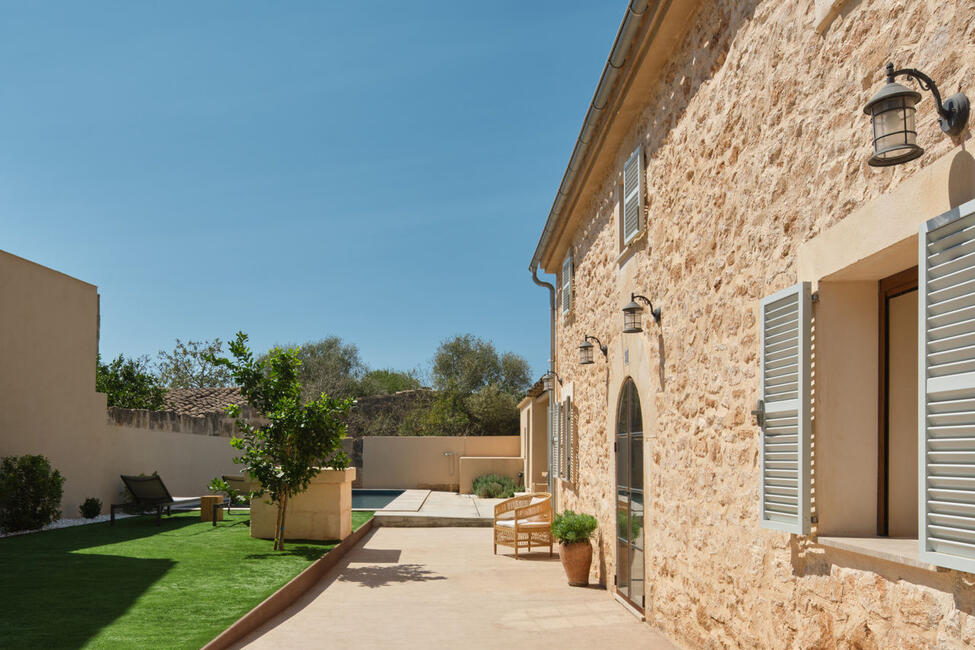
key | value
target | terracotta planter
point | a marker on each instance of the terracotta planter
(576, 560)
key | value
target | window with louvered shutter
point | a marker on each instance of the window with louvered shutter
(556, 430)
(631, 197)
(786, 332)
(570, 433)
(565, 441)
(566, 285)
(946, 389)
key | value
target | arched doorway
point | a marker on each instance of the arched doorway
(629, 496)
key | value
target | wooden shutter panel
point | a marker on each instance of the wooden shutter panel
(556, 434)
(566, 285)
(786, 332)
(631, 211)
(946, 389)
(567, 439)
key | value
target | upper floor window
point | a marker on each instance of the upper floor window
(632, 191)
(567, 284)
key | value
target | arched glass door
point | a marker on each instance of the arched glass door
(629, 496)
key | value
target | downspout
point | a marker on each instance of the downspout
(551, 368)
(618, 55)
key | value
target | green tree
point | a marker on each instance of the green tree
(494, 410)
(466, 364)
(332, 367)
(189, 365)
(298, 438)
(379, 382)
(479, 390)
(446, 416)
(129, 384)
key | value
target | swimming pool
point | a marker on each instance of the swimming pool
(373, 499)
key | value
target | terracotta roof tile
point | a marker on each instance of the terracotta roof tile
(202, 401)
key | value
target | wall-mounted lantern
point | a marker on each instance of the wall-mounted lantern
(585, 350)
(633, 314)
(892, 114)
(549, 379)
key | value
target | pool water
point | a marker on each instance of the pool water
(373, 499)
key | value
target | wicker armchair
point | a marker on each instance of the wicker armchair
(523, 522)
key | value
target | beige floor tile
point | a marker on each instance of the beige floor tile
(443, 587)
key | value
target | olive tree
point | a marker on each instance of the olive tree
(296, 438)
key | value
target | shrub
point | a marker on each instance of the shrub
(571, 527)
(495, 486)
(30, 493)
(91, 508)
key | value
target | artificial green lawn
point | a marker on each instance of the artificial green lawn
(138, 585)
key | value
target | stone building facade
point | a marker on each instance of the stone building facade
(749, 115)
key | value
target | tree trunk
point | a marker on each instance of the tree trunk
(277, 524)
(284, 517)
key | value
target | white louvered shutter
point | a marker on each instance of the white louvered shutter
(631, 211)
(556, 435)
(946, 389)
(567, 285)
(786, 332)
(566, 463)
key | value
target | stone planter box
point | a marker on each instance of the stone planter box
(322, 512)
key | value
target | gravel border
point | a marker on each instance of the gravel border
(66, 523)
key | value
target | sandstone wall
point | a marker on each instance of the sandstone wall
(755, 142)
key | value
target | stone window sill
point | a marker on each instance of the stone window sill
(631, 247)
(899, 550)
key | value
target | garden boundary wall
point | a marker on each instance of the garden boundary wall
(49, 406)
(434, 462)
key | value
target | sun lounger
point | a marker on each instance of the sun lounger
(150, 492)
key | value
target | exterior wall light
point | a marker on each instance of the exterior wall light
(585, 350)
(549, 379)
(633, 314)
(892, 114)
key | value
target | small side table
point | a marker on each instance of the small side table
(207, 506)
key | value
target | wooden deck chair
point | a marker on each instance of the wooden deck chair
(524, 521)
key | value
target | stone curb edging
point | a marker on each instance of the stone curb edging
(410, 520)
(289, 593)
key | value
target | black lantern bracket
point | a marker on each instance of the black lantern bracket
(952, 113)
(602, 347)
(653, 312)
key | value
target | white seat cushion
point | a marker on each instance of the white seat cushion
(523, 523)
(536, 500)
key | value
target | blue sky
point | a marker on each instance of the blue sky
(377, 171)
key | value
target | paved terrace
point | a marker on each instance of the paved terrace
(443, 587)
(437, 509)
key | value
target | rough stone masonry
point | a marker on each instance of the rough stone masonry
(755, 142)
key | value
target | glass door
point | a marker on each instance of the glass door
(629, 496)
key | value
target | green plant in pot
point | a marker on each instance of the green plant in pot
(573, 531)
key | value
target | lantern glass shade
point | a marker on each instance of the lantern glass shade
(632, 318)
(585, 353)
(892, 113)
(547, 382)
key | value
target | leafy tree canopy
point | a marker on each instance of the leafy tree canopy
(188, 365)
(129, 383)
(479, 391)
(465, 364)
(330, 366)
(378, 382)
